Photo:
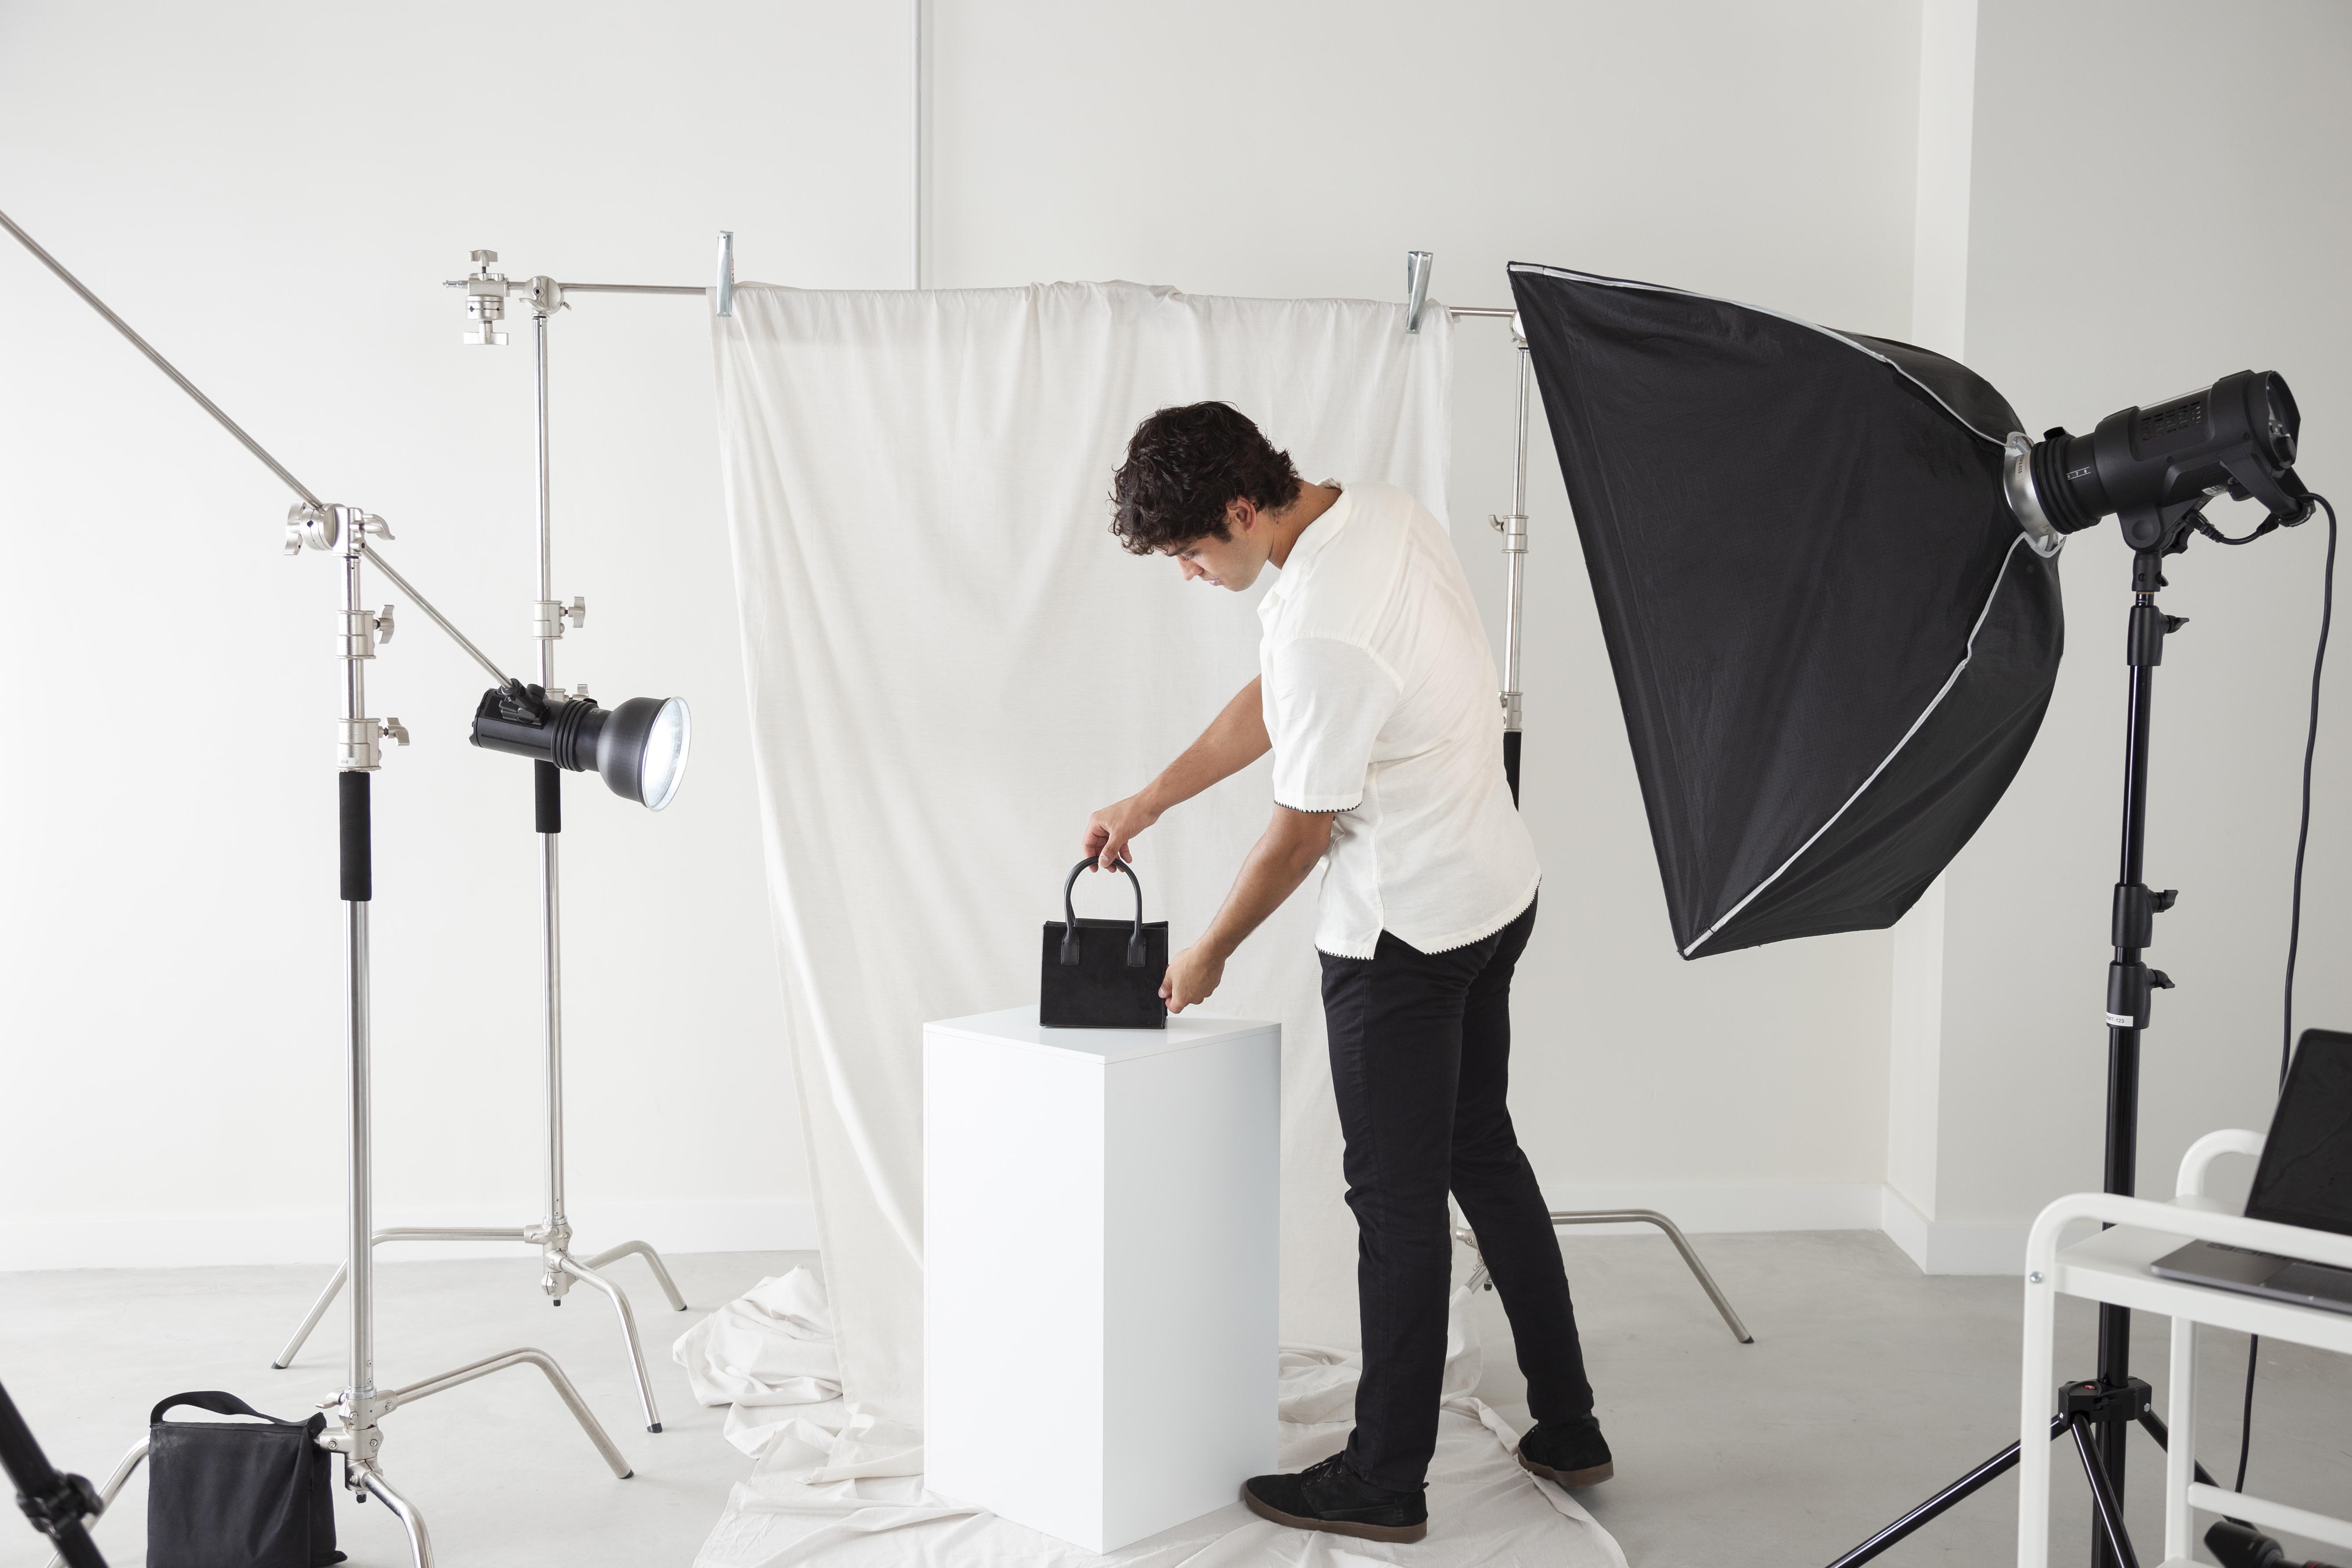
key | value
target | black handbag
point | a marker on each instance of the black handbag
(237, 1494)
(1103, 974)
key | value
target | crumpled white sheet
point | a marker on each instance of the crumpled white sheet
(758, 1353)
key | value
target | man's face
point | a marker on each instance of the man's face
(1233, 562)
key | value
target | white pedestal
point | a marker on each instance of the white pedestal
(1099, 1238)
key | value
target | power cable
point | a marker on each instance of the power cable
(2295, 911)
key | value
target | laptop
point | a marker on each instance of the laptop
(2305, 1178)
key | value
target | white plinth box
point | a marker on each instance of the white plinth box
(1099, 1240)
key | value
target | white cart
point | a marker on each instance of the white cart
(2113, 1266)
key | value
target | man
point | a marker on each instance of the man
(1376, 695)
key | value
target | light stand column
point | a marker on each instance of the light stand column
(1513, 529)
(2130, 985)
(547, 787)
(356, 1435)
(550, 616)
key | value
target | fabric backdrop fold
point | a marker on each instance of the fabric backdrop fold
(951, 663)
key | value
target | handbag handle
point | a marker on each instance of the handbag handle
(216, 1402)
(1070, 916)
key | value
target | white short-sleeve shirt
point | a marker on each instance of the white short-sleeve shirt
(1380, 697)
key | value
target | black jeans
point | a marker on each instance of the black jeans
(1421, 1048)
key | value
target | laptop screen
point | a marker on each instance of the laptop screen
(2306, 1175)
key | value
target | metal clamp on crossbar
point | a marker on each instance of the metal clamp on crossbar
(549, 615)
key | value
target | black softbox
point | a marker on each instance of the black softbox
(1832, 643)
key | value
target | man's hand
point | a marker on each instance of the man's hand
(1192, 976)
(1108, 831)
(1234, 740)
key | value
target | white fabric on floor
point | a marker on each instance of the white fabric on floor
(1483, 1508)
(951, 662)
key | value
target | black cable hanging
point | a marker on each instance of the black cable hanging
(2294, 901)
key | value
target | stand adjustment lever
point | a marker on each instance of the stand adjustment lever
(2128, 986)
(548, 616)
(2144, 637)
(2136, 908)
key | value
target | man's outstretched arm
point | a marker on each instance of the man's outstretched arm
(1234, 740)
(1293, 842)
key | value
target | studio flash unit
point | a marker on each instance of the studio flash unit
(2156, 467)
(638, 749)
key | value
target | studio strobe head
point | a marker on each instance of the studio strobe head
(638, 748)
(2154, 467)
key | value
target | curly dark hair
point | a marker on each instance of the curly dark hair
(1183, 466)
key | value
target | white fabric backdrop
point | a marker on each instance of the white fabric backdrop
(950, 662)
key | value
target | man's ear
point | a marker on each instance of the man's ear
(1241, 513)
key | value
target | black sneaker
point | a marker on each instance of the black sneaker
(1572, 1453)
(1329, 1497)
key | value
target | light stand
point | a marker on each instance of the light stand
(2155, 470)
(2099, 1413)
(355, 1412)
(487, 293)
(1418, 264)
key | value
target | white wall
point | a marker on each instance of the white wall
(2125, 243)
(1302, 149)
(272, 193)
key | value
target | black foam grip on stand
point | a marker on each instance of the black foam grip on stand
(358, 878)
(1511, 762)
(547, 795)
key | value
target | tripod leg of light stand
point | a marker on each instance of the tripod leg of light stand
(1481, 1279)
(318, 1311)
(397, 1233)
(394, 1399)
(110, 1492)
(1682, 1245)
(1967, 1486)
(2104, 1502)
(420, 1545)
(628, 1335)
(653, 1261)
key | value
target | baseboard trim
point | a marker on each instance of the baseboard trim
(315, 1236)
(1949, 1247)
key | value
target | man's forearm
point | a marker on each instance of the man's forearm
(1234, 740)
(1277, 863)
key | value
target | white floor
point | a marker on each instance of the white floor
(1868, 1387)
